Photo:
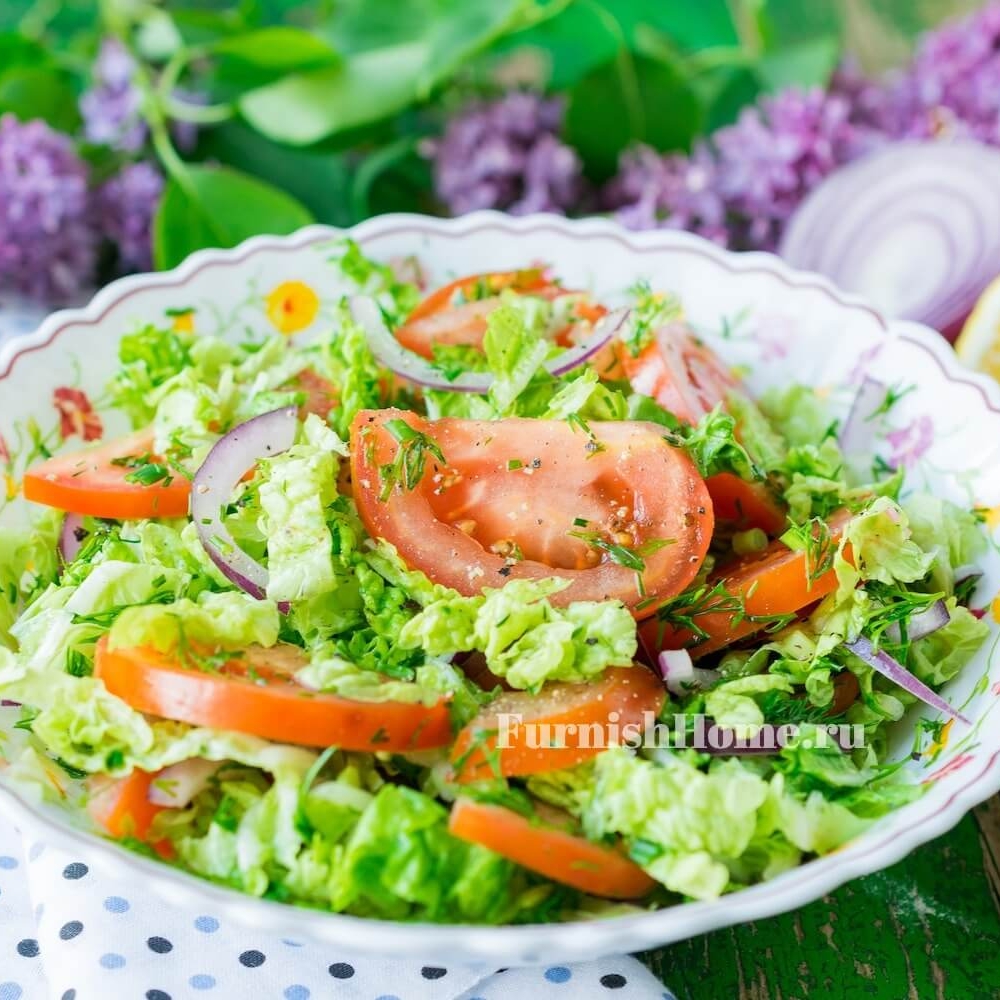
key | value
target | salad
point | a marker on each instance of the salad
(471, 608)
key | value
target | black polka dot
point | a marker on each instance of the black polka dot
(157, 995)
(69, 995)
(433, 972)
(76, 870)
(160, 945)
(252, 959)
(613, 981)
(341, 970)
(69, 931)
(28, 948)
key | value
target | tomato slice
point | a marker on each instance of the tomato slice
(456, 313)
(256, 693)
(682, 373)
(513, 497)
(546, 845)
(772, 583)
(595, 716)
(122, 808)
(746, 505)
(87, 482)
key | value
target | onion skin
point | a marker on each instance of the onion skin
(262, 437)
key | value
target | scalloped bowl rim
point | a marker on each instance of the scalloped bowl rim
(884, 844)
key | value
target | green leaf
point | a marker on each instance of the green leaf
(319, 178)
(16, 50)
(37, 92)
(387, 69)
(630, 99)
(259, 57)
(306, 107)
(219, 207)
(808, 64)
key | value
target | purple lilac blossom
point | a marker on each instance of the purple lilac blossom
(112, 108)
(676, 192)
(126, 203)
(506, 154)
(952, 86)
(48, 242)
(774, 154)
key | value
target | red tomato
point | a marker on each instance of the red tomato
(256, 693)
(512, 497)
(620, 696)
(122, 807)
(456, 313)
(88, 482)
(773, 582)
(683, 374)
(545, 844)
(747, 505)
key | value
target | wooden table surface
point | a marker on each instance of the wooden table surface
(926, 929)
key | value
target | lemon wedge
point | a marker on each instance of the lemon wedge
(978, 344)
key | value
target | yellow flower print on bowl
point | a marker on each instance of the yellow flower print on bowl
(292, 306)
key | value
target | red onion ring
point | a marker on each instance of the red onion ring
(922, 624)
(884, 664)
(262, 437)
(937, 203)
(71, 537)
(392, 355)
(681, 675)
(854, 435)
(175, 786)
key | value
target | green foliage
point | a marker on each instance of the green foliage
(210, 207)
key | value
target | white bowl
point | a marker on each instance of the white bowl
(784, 325)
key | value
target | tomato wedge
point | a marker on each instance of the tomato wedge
(772, 583)
(682, 373)
(88, 482)
(546, 845)
(122, 808)
(256, 693)
(746, 505)
(514, 734)
(532, 499)
(456, 313)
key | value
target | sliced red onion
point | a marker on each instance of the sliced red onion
(855, 435)
(898, 674)
(968, 571)
(681, 675)
(241, 449)
(392, 355)
(176, 786)
(71, 537)
(914, 226)
(923, 623)
(604, 329)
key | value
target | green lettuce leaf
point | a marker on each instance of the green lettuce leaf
(524, 638)
(953, 535)
(943, 654)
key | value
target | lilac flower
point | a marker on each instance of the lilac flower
(952, 86)
(127, 203)
(112, 108)
(910, 443)
(775, 154)
(676, 192)
(507, 154)
(48, 243)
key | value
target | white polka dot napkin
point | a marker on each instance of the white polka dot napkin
(69, 933)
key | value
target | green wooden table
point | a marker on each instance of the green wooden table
(929, 927)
